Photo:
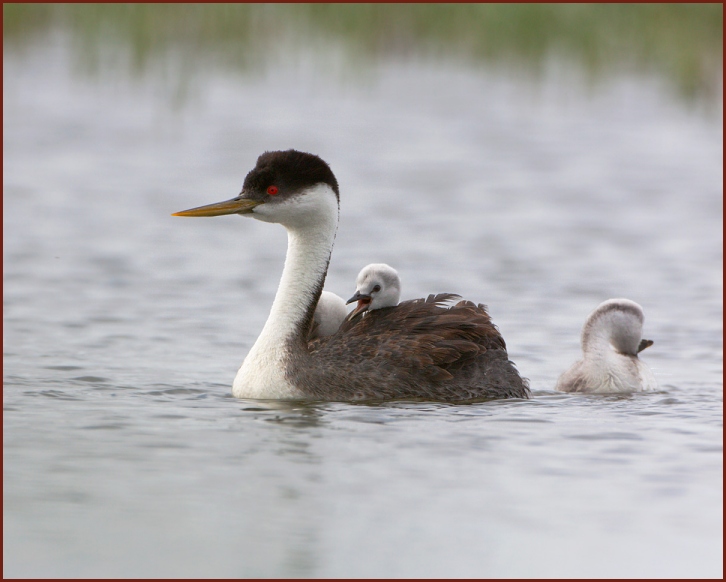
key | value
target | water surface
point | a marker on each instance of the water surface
(124, 452)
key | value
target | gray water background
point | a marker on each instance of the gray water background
(124, 452)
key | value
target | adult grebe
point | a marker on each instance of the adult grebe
(378, 285)
(419, 350)
(611, 341)
(330, 312)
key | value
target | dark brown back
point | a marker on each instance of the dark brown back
(417, 349)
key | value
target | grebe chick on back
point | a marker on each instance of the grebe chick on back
(611, 341)
(420, 350)
(329, 314)
(378, 285)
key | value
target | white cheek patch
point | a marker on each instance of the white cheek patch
(315, 206)
(263, 212)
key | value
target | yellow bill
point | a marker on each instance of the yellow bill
(233, 206)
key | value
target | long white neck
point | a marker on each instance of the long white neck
(306, 264)
(311, 222)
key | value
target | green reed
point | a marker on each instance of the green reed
(682, 42)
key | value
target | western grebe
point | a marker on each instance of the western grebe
(420, 349)
(378, 285)
(611, 341)
(329, 314)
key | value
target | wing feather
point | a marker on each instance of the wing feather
(420, 336)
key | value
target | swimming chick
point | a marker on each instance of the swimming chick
(611, 341)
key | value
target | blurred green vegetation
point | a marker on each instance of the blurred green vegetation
(683, 42)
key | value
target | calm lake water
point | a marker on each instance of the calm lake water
(125, 454)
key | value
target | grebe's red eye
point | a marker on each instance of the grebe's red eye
(272, 190)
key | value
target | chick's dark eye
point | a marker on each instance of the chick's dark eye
(376, 289)
(272, 190)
